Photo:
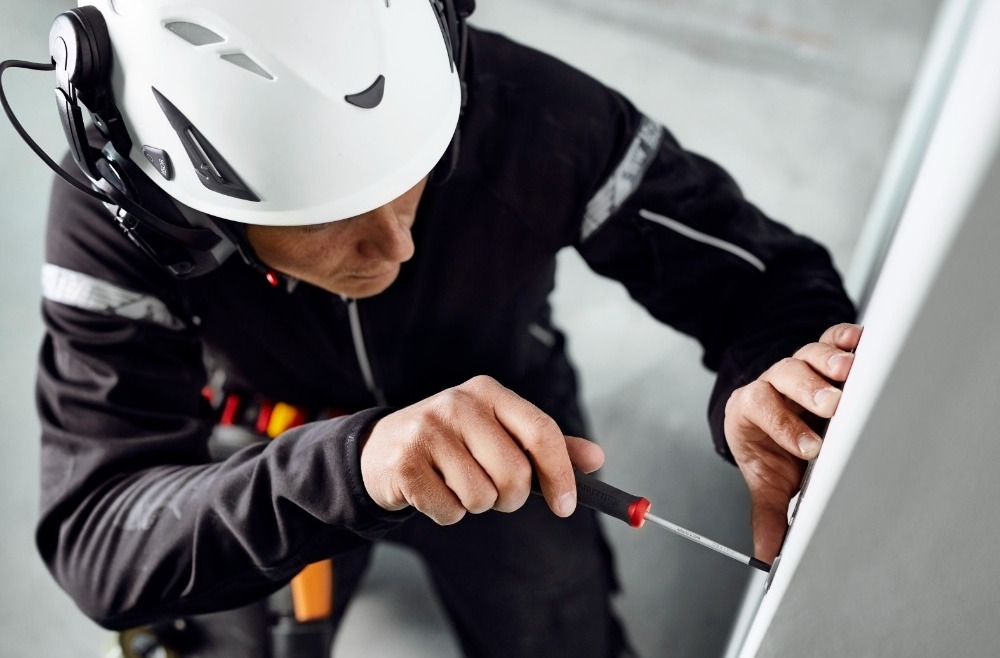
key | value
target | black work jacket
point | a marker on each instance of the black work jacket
(137, 523)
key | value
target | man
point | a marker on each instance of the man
(412, 271)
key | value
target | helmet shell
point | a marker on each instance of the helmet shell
(267, 85)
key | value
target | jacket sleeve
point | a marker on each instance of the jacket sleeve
(136, 524)
(674, 228)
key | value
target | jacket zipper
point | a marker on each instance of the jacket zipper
(362, 353)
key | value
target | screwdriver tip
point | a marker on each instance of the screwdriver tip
(760, 564)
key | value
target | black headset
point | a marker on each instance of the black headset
(186, 246)
(186, 242)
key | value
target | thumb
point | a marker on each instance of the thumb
(769, 524)
(585, 455)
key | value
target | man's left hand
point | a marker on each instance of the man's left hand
(769, 437)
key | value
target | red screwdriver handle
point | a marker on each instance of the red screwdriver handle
(602, 497)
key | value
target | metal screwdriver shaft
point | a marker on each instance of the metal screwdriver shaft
(634, 510)
(708, 543)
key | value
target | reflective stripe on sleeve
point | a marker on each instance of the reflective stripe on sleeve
(625, 178)
(91, 294)
(704, 238)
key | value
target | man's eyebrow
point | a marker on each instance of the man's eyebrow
(312, 227)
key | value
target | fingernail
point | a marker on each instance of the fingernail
(565, 504)
(849, 328)
(809, 446)
(836, 360)
(824, 396)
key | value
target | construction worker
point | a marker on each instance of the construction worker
(353, 209)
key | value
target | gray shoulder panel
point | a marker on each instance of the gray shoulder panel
(91, 294)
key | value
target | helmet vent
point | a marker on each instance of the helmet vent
(244, 61)
(194, 34)
(369, 98)
(212, 169)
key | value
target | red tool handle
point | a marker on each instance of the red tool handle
(601, 496)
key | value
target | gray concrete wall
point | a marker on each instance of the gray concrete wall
(856, 46)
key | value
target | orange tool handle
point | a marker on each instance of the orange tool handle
(312, 592)
(312, 588)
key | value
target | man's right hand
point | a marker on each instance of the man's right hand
(472, 448)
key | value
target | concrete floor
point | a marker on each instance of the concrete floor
(801, 108)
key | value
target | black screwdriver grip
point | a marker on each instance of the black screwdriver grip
(604, 498)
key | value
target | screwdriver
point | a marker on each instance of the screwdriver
(634, 510)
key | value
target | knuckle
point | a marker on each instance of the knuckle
(744, 402)
(394, 461)
(757, 394)
(440, 511)
(787, 363)
(417, 421)
(475, 492)
(519, 474)
(510, 503)
(784, 427)
(482, 501)
(392, 455)
(805, 352)
(480, 383)
(417, 499)
(448, 400)
(543, 424)
(807, 387)
(513, 484)
(449, 517)
(404, 468)
(736, 401)
(384, 492)
(755, 471)
(408, 479)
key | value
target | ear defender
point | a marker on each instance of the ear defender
(80, 66)
(80, 47)
(81, 50)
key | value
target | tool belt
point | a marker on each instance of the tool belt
(299, 612)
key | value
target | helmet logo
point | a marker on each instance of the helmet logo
(369, 98)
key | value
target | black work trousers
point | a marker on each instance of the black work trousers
(520, 585)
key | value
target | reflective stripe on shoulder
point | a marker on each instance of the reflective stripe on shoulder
(625, 178)
(91, 294)
(704, 238)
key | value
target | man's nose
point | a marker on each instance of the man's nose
(386, 236)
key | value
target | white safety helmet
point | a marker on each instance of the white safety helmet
(278, 114)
